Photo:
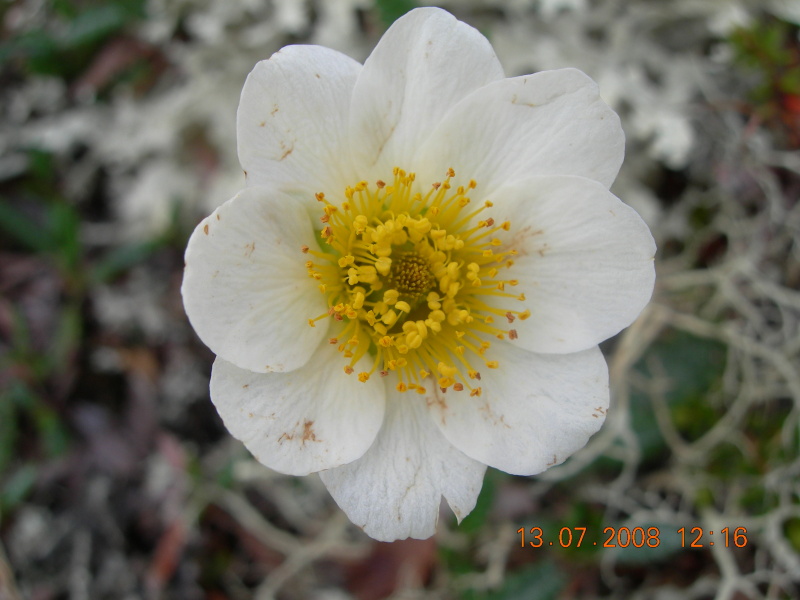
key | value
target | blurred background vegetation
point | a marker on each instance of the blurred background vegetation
(117, 479)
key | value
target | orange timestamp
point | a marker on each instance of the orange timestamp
(638, 537)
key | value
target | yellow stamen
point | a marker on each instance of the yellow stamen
(414, 280)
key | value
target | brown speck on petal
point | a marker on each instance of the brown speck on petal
(308, 432)
(205, 228)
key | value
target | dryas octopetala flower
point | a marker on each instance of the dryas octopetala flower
(413, 283)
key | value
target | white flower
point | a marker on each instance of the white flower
(414, 281)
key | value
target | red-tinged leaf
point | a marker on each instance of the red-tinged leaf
(791, 103)
(252, 546)
(378, 575)
(116, 57)
(167, 556)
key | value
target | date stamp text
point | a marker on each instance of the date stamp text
(638, 537)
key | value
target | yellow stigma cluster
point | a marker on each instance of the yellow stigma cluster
(408, 276)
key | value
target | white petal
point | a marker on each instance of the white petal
(585, 261)
(245, 287)
(394, 490)
(291, 124)
(534, 411)
(548, 123)
(425, 63)
(313, 418)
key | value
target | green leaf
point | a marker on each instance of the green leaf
(17, 488)
(37, 46)
(22, 228)
(54, 434)
(475, 520)
(790, 82)
(226, 476)
(123, 258)
(8, 429)
(78, 33)
(21, 342)
(391, 10)
(64, 225)
(692, 366)
(791, 529)
(543, 581)
(582, 515)
(42, 167)
(66, 339)
(94, 25)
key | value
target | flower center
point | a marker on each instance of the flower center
(411, 274)
(414, 279)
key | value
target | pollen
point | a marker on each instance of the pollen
(411, 275)
(414, 278)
